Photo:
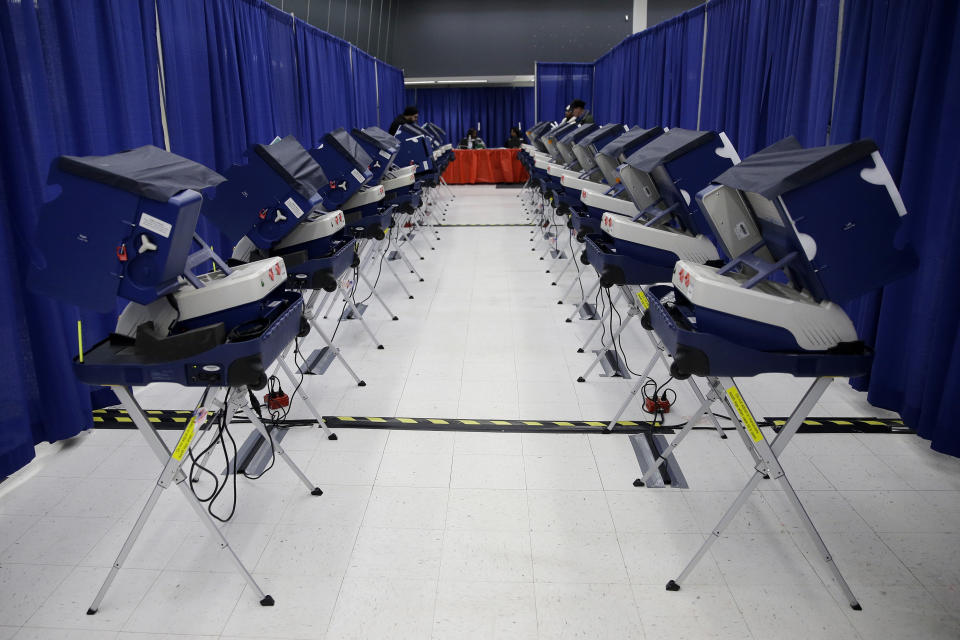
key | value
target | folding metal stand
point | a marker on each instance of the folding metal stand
(172, 473)
(447, 187)
(370, 250)
(768, 465)
(596, 329)
(346, 295)
(309, 312)
(593, 289)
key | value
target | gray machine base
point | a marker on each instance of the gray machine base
(647, 447)
(613, 366)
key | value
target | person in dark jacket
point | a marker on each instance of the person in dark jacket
(515, 139)
(409, 116)
(579, 111)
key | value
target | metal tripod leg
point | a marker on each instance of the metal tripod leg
(399, 281)
(600, 325)
(356, 314)
(407, 262)
(172, 462)
(769, 464)
(593, 289)
(566, 266)
(633, 393)
(613, 340)
(373, 292)
(409, 242)
(254, 419)
(573, 283)
(336, 352)
(302, 392)
(327, 303)
(694, 387)
(677, 439)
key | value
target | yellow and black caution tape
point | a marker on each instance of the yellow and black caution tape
(464, 424)
(177, 419)
(489, 224)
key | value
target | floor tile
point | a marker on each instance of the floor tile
(26, 587)
(397, 554)
(587, 611)
(183, 602)
(561, 472)
(485, 611)
(569, 511)
(487, 471)
(415, 470)
(407, 508)
(383, 608)
(303, 608)
(488, 510)
(577, 557)
(488, 556)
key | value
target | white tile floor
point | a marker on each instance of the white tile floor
(481, 535)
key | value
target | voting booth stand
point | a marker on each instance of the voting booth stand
(220, 329)
(759, 256)
(825, 220)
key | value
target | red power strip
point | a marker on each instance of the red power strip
(276, 400)
(656, 406)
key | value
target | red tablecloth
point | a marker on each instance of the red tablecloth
(485, 165)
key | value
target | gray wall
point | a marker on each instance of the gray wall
(369, 24)
(660, 10)
(503, 37)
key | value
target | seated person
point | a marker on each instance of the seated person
(515, 139)
(410, 115)
(567, 115)
(472, 141)
(579, 112)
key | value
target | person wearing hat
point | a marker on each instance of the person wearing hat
(409, 116)
(567, 115)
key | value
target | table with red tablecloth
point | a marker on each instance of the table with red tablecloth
(488, 166)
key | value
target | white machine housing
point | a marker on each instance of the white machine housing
(246, 283)
(314, 228)
(611, 204)
(815, 326)
(686, 247)
(365, 196)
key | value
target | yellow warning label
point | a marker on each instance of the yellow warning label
(744, 412)
(187, 437)
(643, 299)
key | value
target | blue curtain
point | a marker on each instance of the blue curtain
(390, 88)
(457, 109)
(768, 70)
(364, 89)
(683, 51)
(80, 77)
(204, 103)
(253, 61)
(284, 77)
(899, 84)
(326, 95)
(560, 82)
(653, 77)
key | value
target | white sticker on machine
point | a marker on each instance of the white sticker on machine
(740, 229)
(294, 207)
(384, 154)
(156, 225)
(357, 176)
(424, 165)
